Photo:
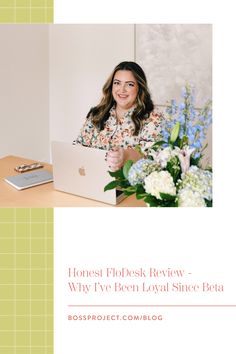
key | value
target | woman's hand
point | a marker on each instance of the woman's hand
(115, 159)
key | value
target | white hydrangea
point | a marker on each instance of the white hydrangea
(199, 181)
(190, 198)
(159, 182)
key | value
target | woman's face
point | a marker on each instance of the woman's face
(124, 89)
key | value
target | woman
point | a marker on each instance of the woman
(124, 118)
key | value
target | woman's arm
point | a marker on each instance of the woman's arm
(150, 133)
(117, 157)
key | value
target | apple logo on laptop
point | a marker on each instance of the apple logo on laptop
(82, 171)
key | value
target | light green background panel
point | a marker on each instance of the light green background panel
(26, 281)
(26, 11)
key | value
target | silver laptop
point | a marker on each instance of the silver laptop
(82, 171)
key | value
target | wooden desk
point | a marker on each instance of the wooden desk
(44, 195)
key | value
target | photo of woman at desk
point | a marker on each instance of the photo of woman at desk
(124, 118)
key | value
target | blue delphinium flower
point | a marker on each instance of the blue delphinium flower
(193, 122)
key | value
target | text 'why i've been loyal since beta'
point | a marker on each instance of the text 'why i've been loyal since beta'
(127, 272)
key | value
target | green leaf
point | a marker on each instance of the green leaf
(124, 183)
(209, 168)
(157, 144)
(154, 202)
(138, 149)
(174, 133)
(126, 168)
(183, 141)
(140, 192)
(208, 203)
(111, 185)
(128, 193)
(140, 188)
(195, 162)
(141, 195)
(167, 197)
(131, 189)
(117, 174)
(173, 167)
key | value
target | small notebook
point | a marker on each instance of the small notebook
(29, 179)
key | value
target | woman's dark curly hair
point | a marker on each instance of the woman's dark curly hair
(144, 104)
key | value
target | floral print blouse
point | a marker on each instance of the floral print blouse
(120, 134)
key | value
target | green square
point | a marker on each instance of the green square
(50, 324)
(7, 277)
(38, 214)
(37, 323)
(38, 15)
(38, 246)
(22, 214)
(38, 230)
(7, 292)
(37, 308)
(7, 323)
(39, 351)
(49, 338)
(38, 338)
(22, 261)
(37, 261)
(50, 316)
(22, 339)
(6, 351)
(24, 350)
(6, 338)
(49, 246)
(22, 276)
(7, 245)
(23, 292)
(49, 230)
(50, 291)
(50, 307)
(7, 308)
(37, 277)
(49, 341)
(38, 292)
(49, 15)
(38, 3)
(49, 3)
(49, 277)
(22, 308)
(7, 3)
(23, 3)
(6, 214)
(7, 261)
(7, 15)
(7, 230)
(23, 230)
(23, 323)
(22, 245)
(49, 260)
(49, 214)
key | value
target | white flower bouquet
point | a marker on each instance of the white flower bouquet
(170, 173)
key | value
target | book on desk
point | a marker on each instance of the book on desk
(29, 179)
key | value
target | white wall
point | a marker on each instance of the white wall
(24, 91)
(173, 54)
(50, 75)
(81, 59)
